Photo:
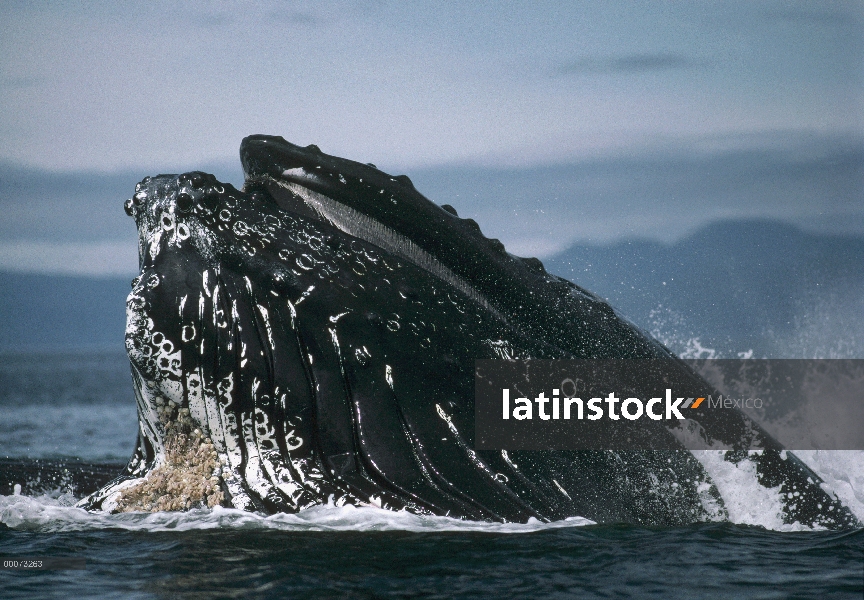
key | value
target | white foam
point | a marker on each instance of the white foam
(747, 501)
(843, 473)
(50, 514)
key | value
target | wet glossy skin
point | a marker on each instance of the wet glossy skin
(321, 326)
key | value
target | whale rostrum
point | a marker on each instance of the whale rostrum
(311, 339)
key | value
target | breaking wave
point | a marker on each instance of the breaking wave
(747, 503)
(53, 513)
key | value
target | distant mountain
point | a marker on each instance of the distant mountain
(659, 194)
(735, 285)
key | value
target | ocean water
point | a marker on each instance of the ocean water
(57, 407)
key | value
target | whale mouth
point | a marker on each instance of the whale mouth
(351, 197)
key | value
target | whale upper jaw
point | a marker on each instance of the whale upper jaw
(520, 290)
(264, 156)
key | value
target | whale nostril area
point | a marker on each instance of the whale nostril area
(195, 179)
(184, 202)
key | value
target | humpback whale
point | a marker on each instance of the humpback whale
(311, 339)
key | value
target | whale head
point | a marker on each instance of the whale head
(256, 322)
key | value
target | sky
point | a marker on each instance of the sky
(122, 87)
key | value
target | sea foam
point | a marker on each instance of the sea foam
(49, 513)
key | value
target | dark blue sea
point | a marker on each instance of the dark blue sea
(57, 407)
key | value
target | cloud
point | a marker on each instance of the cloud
(21, 82)
(813, 16)
(633, 63)
(323, 12)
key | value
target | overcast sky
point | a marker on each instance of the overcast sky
(105, 85)
(143, 87)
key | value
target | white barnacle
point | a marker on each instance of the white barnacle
(292, 441)
(188, 333)
(241, 228)
(305, 262)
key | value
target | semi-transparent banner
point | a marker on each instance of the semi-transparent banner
(664, 404)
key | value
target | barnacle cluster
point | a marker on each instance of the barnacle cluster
(188, 478)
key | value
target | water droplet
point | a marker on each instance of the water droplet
(362, 356)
